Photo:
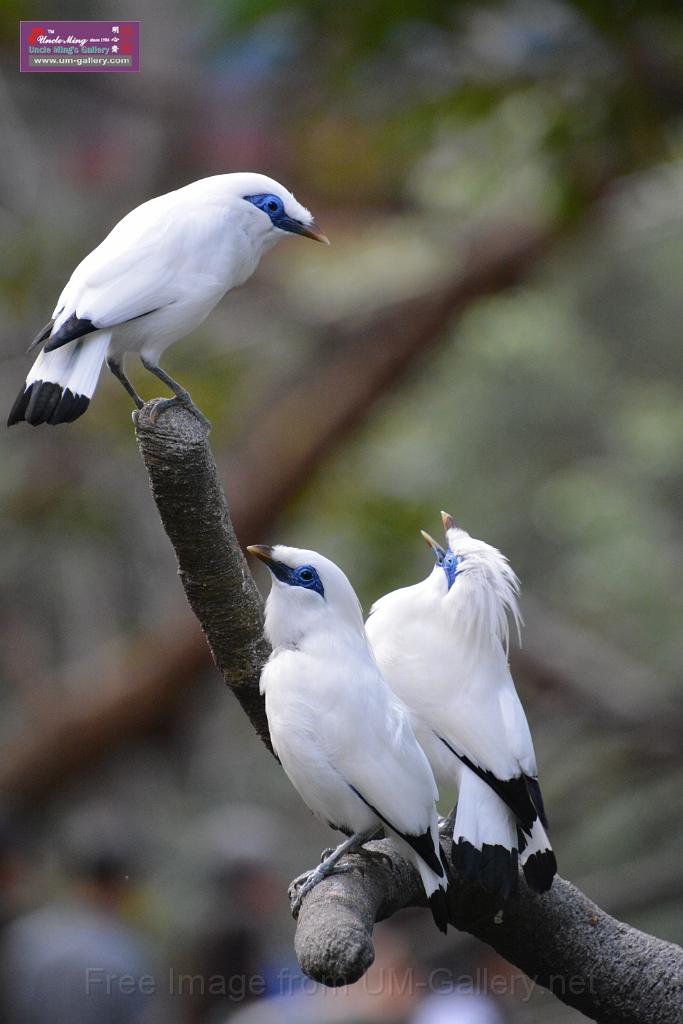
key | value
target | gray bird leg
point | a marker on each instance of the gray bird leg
(117, 369)
(305, 882)
(182, 397)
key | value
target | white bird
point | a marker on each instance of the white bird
(442, 646)
(153, 279)
(340, 733)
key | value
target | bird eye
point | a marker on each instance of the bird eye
(306, 575)
(272, 205)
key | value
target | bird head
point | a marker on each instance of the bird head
(271, 210)
(308, 592)
(474, 581)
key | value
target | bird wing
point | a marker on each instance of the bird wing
(484, 725)
(338, 711)
(465, 695)
(138, 266)
(467, 698)
(382, 760)
(487, 722)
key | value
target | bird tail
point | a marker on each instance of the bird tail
(485, 837)
(435, 884)
(61, 383)
(538, 859)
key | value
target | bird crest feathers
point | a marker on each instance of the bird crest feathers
(484, 597)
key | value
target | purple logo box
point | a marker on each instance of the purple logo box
(47, 45)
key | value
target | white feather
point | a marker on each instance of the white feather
(538, 842)
(75, 366)
(160, 272)
(453, 673)
(481, 816)
(334, 722)
(444, 653)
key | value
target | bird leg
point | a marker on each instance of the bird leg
(305, 882)
(182, 397)
(117, 369)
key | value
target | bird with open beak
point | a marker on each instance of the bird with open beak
(442, 646)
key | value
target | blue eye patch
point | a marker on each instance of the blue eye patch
(270, 204)
(303, 576)
(450, 564)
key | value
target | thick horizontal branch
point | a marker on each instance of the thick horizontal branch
(608, 970)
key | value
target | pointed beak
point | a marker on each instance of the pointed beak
(307, 230)
(313, 231)
(262, 551)
(448, 521)
(439, 552)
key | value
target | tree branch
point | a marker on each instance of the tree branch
(218, 585)
(608, 970)
(562, 940)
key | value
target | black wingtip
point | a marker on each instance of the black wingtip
(540, 869)
(73, 328)
(438, 904)
(494, 867)
(422, 844)
(47, 402)
(514, 792)
(42, 334)
(534, 790)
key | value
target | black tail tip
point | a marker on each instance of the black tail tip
(438, 904)
(540, 869)
(494, 867)
(46, 402)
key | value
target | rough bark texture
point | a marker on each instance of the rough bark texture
(218, 585)
(602, 967)
(611, 972)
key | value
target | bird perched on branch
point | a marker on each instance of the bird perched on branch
(341, 735)
(153, 279)
(442, 646)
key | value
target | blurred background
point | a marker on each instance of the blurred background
(495, 330)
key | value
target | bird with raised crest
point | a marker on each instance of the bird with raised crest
(442, 645)
(341, 735)
(155, 277)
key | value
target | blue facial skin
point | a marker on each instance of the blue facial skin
(303, 576)
(274, 207)
(439, 552)
(446, 560)
(450, 565)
